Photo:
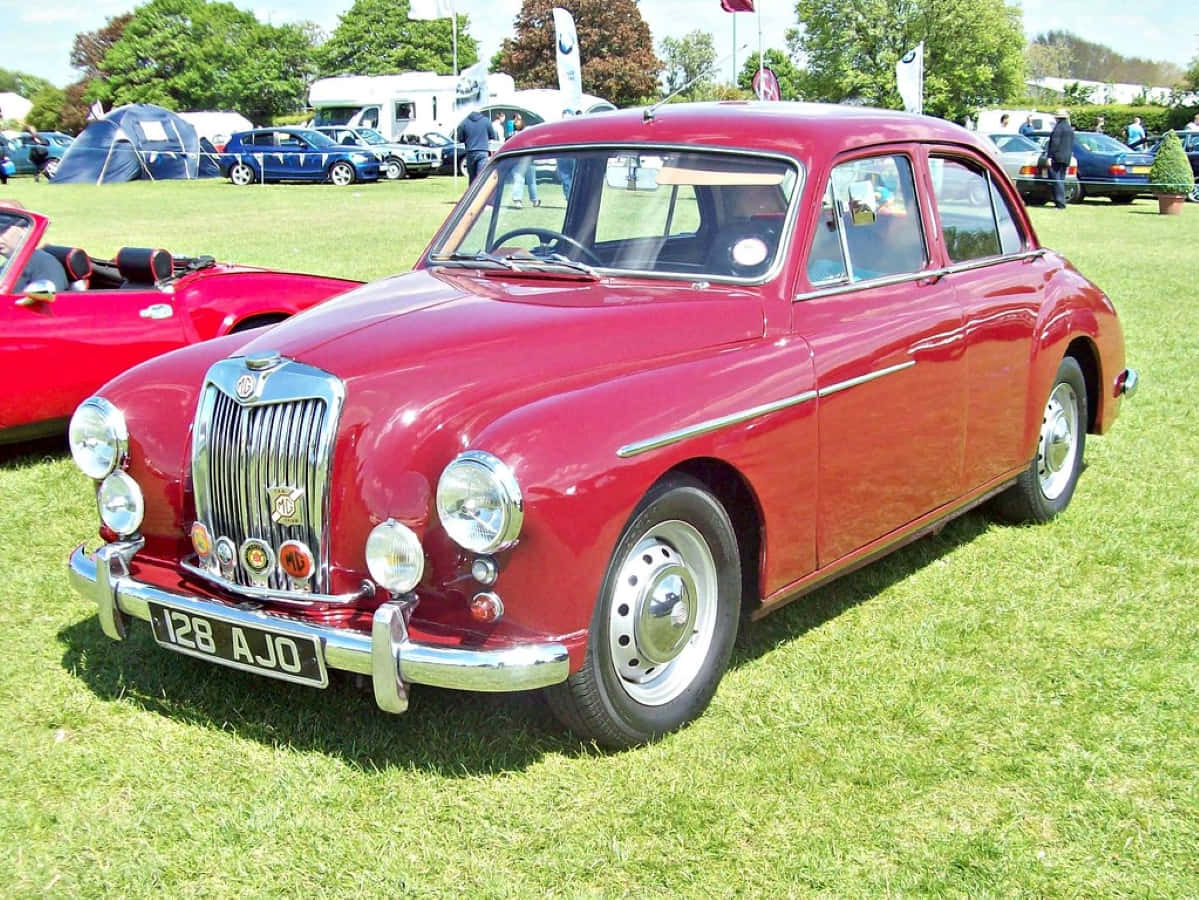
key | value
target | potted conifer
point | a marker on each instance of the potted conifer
(1170, 177)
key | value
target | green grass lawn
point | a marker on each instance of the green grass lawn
(991, 711)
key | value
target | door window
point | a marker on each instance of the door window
(976, 221)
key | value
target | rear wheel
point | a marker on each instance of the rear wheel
(1080, 194)
(1073, 192)
(1193, 196)
(241, 174)
(665, 622)
(1046, 486)
(50, 168)
(341, 174)
(394, 169)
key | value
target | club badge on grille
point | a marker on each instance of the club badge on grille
(245, 387)
(285, 505)
(258, 559)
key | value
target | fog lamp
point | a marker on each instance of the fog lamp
(121, 504)
(394, 556)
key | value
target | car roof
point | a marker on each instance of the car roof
(804, 130)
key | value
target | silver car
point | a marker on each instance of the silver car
(396, 160)
(1024, 161)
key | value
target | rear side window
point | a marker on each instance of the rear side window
(976, 221)
(869, 223)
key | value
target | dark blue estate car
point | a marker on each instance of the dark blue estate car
(294, 154)
(1108, 168)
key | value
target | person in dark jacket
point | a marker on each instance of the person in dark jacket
(475, 132)
(1059, 151)
(39, 151)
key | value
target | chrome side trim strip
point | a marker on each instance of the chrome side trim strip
(518, 668)
(862, 379)
(845, 287)
(681, 434)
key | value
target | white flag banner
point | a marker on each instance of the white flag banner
(570, 74)
(430, 9)
(909, 78)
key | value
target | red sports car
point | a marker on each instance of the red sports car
(728, 353)
(71, 322)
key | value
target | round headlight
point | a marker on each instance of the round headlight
(121, 504)
(394, 556)
(479, 502)
(98, 437)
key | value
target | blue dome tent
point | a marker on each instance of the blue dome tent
(137, 141)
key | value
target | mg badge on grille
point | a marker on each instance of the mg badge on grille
(245, 387)
(285, 505)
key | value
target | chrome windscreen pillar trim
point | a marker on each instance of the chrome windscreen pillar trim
(388, 634)
(387, 653)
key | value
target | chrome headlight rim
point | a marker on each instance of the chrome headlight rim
(384, 540)
(125, 520)
(112, 432)
(506, 486)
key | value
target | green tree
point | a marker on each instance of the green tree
(614, 44)
(90, 46)
(21, 83)
(376, 37)
(48, 107)
(195, 54)
(791, 78)
(972, 50)
(689, 63)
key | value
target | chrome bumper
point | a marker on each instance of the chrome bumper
(387, 654)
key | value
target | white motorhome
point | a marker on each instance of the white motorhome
(392, 103)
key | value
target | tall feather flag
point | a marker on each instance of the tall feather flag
(909, 79)
(736, 6)
(570, 74)
(430, 9)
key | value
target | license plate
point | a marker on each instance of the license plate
(1140, 170)
(262, 651)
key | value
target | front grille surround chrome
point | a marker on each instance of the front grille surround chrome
(259, 428)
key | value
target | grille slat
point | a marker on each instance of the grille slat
(282, 440)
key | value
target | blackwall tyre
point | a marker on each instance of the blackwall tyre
(1044, 489)
(341, 174)
(664, 623)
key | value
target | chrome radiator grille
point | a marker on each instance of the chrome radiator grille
(262, 446)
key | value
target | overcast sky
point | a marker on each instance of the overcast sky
(37, 39)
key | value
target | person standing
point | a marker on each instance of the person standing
(524, 175)
(1193, 125)
(1004, 122)
(1027, 128)
(1100, 124)
(39, 151)
(1059, 151)
(1136, 133)
(475, 133)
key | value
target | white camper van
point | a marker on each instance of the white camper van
(391, 103)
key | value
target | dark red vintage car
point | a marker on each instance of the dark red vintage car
(67, 334)
(720, 355)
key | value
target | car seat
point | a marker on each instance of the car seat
(75, 263)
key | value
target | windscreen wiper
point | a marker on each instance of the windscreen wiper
(480, 256)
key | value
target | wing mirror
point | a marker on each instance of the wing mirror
(40, 291)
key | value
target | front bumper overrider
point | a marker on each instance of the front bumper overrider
(387, 655)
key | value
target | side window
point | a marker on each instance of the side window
(975, 219)
(869, 223)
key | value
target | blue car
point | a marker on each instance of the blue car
(294, 154)
(17, 149)
(1108, 168)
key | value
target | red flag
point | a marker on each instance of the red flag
(737, 5)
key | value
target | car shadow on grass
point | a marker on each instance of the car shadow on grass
(451, 733)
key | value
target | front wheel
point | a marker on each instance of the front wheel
(394, 169)
(241, 174)
(665, 622)
(341, 174)
(1044, 489)
(50, 168)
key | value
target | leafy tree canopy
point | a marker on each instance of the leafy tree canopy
(614, 44)
(688, 63)
(195, 54)
(791, 78)
(1087, 61)
(21, 83)
(376, 37)
(972, 51)
(90, 46)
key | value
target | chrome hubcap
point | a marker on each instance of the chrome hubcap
(663, 613)
(341, 176)
(1058, 445)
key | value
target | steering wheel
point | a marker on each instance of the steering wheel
(548, 236)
